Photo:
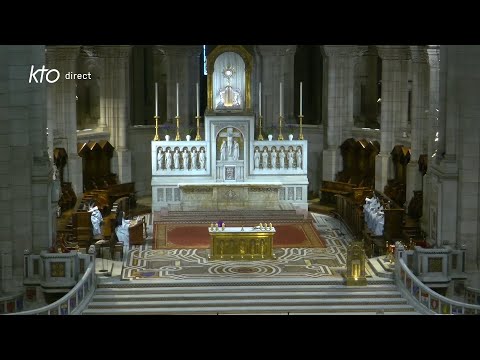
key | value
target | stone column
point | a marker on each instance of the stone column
(338, 127)
(393, 105)
(459, 150)
(420, 107)
(117, 103)
(431, 128)
(277, 66)
(25, 169)
(371, 95)
(62, 111)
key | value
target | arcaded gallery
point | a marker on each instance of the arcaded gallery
(239, 179)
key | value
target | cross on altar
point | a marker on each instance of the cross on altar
(229, 135)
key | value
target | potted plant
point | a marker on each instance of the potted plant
(166, 129)
(270, 130)
(290, 129)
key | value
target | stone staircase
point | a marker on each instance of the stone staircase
(247, 296)
(248, 218)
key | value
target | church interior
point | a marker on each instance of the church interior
(239, 179)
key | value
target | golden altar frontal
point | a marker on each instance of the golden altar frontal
(241, 243)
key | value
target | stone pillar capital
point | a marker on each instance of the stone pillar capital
(62, 52)
(114, 51)
(419, 54)
(393, 52)
(344, 50)
(178, 50)
(433, 52)
(276, 50)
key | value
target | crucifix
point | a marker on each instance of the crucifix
(229, 136)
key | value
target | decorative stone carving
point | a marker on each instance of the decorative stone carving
(343, 50)
(419, 54)
(393, 52)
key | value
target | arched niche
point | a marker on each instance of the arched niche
(230, 134)
(229, 76)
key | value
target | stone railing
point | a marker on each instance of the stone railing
(421, 297)
(75, 301)
(472, 295)
(192, 158)
(289, 157)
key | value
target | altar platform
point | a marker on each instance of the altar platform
(169, 264)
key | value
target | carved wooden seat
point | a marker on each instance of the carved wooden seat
(331, 188)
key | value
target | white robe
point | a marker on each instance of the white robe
(96, 219)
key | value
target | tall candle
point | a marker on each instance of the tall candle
(260, 99)
(281, 99)
(177, 100)
(300, 98)
(198, 102)
(156, 99)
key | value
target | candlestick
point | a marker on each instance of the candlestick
(260, 99)
(301, 99)
(177, 101)
(300, 136)
(198, 137)
(260, 136)
(281, 99)
(177, 137)
(156, 99)
(280, 135)
(156, 137)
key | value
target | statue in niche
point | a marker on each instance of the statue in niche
(256, 157)
(160, 158)
(193, 156)
(223, 151)
(229, 144)
(281, 157)
(299, 158)
(176, 159)
(236, 150)
(265, 159)
(273, 158)
(185, 157)
(227, 137)
(290, 158)
(202, 158)
(168, 160)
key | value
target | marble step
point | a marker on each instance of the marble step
(240, 309)
(243, 283)
(340, 291)
(110, 296)
(219, 303)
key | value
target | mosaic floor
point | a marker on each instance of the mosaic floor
(144, 263)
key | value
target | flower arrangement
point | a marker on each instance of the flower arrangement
(167, 127)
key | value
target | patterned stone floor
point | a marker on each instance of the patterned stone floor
(143, 263)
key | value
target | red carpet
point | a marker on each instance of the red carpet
(185, 236)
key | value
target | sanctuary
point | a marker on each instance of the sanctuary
(229, 169)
